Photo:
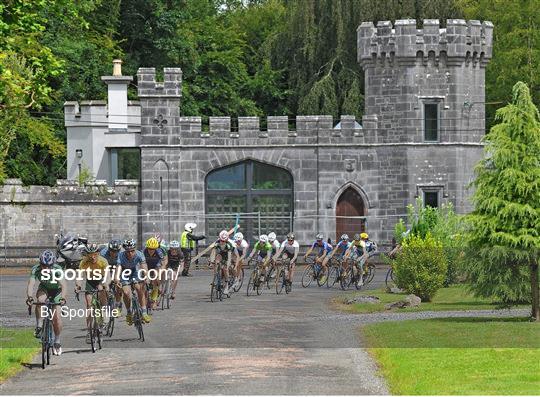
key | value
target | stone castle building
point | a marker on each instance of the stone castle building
(419, 137)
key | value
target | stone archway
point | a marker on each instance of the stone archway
(350, 205)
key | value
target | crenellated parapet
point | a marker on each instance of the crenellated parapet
(224, 130)
(170, 87)
(468, 42)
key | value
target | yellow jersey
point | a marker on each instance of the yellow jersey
(98, 267)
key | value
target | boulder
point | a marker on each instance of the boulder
(409, 301)
(363, 299)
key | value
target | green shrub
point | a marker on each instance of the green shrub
(399, 229)
(420, 268)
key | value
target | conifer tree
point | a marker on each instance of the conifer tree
(505, 224)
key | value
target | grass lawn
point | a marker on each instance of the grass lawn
(16, 346)
(455, 297)
(458, 355)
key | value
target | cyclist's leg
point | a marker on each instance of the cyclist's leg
(174, 280)
(88, 302)
(56, 321)
(41, 297)
(292, 266)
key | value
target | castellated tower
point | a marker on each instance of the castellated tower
(425, 85)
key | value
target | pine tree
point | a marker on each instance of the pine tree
(505, 225)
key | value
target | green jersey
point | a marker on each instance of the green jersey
(266, 247)
(46, 278)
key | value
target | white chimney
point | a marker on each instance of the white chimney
(117, 100)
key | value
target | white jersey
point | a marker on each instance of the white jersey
(242, 248)
(275, 245)
(290, 248)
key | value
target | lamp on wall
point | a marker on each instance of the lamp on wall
(78, 153)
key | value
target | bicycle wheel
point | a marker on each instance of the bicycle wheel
(333, 276)
(137, 317)
(110, 327)
(45, 343)
(308, 276)
(92, 337)
(280, 281)
(165, 294)
(270, 276)
(344, 279)
(97, 333)
(220, 286)
(251, 282)
(320, 276)
(213, 289)
(241, 281)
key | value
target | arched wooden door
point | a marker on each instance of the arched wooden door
(350, 204)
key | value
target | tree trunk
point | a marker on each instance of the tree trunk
(535, 292)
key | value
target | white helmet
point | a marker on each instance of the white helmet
(189, 227)
(238, 236)
(263, 238)
(271, 237)
(224, 235)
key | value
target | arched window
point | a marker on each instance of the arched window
(249, 187)
(350, 206)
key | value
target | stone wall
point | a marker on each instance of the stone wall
(30, 216)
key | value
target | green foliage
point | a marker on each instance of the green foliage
(504, 228)
(420, 268)
(516, 47)
(85, 175)
(399, 230)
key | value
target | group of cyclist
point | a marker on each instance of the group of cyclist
(124, 262)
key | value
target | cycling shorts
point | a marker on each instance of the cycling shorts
(54, 295)
(129, 277)
(92, 285)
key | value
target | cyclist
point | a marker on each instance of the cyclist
(175, 262)
(242, 248)
(340, 248)
(48, 289)
(290, 249)
(187, 243)
(155, 260)
(130, 261)
(95, 267)
(110, 253)
(275, 243)
(322, 248)
(263, 250)
(358, 254)
(223, 251)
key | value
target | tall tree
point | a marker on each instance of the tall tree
(25, 69)
(505, 224)
(516, 47)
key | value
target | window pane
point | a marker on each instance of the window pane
(431, 122)
(129, 163)
(227, 178)
(431, 199)
(217, 205)
(268, 177)
(275, 214)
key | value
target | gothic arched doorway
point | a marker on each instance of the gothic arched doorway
(350, 205)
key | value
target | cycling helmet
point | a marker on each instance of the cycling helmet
(364, 235)
(174, 244)
(344, 237)
(223, 235)
(91, 248)
(290, 236)
(129, 244)
(163, 245)
(238, 236)
(271, 237)
(189, 227)
(152, 243)
(319, 237)
(357, 237)
(47, 258)
(263, 238)
(115, 245)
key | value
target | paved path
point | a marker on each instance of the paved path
(245, 345)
